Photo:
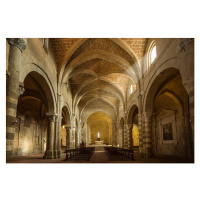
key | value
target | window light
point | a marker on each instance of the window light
(153, 54)
(131, 89)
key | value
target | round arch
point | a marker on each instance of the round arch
(42, 78)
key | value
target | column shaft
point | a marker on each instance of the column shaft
(148, 135)
(50, 144)
(12, 90)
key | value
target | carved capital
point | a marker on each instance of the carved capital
(18, 42)
(21, 89)
(51, 117)
(129, 126)
(147, 116)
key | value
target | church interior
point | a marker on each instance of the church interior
(100, 100)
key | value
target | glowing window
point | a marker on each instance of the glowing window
(131, 89)
(153, 54)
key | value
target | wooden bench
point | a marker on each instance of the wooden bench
(80, 153)
(119, 153)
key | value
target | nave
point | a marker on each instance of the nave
(64, 93)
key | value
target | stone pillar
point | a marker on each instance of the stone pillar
(141, 151)
(50, 143)
(189, 142)
(72, 138)
(60, 105)
(129, 136)
(56, 140)
(140, 126)
(120, 137)
(125, 137)
(17, 45)
(77, 138)
(191, 106)
(154, 133)
(67, 137)
(148, 134)
(42, 138)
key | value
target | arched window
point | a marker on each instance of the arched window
(131, 89)
(151, 53)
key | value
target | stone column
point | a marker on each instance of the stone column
(50, 143)
(125, 137)
(76, 138)
(189, 142)
(154, 133)
(60, 105)
(120, 137)
(42, 138)
(148, 134)
(56, 140)
(67, 137)
(140, 126)
(191, 106)
(129, 135)
(141, 151)
(17, 46)
(72, 138)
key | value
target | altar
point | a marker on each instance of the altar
(98, 142)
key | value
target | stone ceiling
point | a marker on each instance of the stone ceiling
(100, 71)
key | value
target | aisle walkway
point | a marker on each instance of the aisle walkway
(99, 156)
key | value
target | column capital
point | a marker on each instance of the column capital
(68, 127)
(51, 117)
(147, 115)
(21, 89)
(18, 42)
(129, 126)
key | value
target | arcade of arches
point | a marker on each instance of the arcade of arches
(132, 93)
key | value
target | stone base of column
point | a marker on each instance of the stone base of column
(9, 154)
(49, 154)
(59, 153)
(55, 154)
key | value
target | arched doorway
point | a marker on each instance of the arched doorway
(31, 135)
(99, 129)
(167, 130)
(65, 129)
(133, 126)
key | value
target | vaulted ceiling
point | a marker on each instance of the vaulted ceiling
(99, 71)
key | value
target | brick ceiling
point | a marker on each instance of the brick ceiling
(100, 71)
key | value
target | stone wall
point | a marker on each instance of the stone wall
(30, 137)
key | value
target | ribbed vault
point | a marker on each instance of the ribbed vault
(99, 72)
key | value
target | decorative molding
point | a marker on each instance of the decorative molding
(21, 89)
(18, 42)
(184, 42)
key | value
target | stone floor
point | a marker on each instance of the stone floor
(99, 156)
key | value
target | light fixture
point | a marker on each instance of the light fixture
(63, 126)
